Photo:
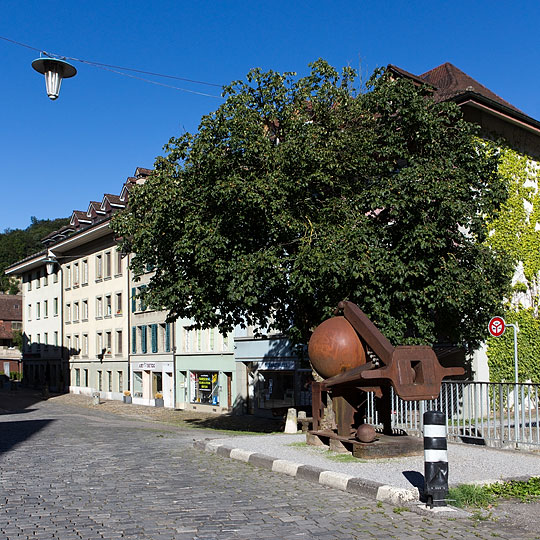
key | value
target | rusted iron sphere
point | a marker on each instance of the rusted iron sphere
(335, 347)
(366, 433)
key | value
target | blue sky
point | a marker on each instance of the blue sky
(57, 156)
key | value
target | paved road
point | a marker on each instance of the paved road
(72, 473)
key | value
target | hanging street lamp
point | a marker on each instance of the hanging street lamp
(54, 70)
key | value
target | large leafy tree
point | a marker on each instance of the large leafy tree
(300, 192)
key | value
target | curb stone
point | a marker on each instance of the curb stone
(358, 486)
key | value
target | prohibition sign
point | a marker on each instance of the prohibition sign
(497, 326)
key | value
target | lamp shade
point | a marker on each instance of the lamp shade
(54, 71)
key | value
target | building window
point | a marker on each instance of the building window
(38, 279)
(55, 307)
(85, 310)
(109, 381)
(84, 350)
(29, 343)
(75, 311)
(99, 344)
(77, 377)
(68, 277)
(76, 274)
(137, 384)
(186, 340)
(108, 343)
(56, 338)
(119, 342)
(108, 305)
(76, 345)
(68, 313)
(204, 388)
(38, 310)
(46, 340)
(154, 337)
(118, 262)
(45, 309)
(199, 339)
(165, 337)
(29, 312)
(45, 279)
(108, 264)
(118, 303)
(85, 272)
(99, 306)
(133, 340)
(100, 380)
(211, 338)
(142, 330)
(120, 381)
(86, 381)
(68, 345)
(226, 342)
(55, 276)
(99, 267)
(29, 279)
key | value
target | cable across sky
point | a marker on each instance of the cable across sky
(119, 70)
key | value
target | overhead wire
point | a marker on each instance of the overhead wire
(115, 69)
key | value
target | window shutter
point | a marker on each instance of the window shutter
(143, 339)
(133, 300)
(143, 304)
(134, 339)
(154, 338)
(167, 338)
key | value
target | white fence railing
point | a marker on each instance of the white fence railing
(504, 415)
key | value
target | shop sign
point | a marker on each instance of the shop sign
(146, 365)
(277, 365)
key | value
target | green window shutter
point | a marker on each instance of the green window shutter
(154, 338)
(142, 288)
(143, 339)
(133, 300)
(133, 339)
(167, 338)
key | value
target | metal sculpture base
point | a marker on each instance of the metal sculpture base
(385, 446)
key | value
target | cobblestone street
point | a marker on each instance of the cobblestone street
(74, 473)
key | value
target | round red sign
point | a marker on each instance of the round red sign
(496, 326)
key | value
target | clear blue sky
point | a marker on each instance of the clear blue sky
(57, 156)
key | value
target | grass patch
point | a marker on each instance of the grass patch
(344, 458)
(298, 444)
(484, 496)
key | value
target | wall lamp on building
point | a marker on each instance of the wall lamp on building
(50, 263)
(54, 70)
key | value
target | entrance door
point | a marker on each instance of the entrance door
(229, 390)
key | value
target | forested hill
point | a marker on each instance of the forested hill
(16, 244)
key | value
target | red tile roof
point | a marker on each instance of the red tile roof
(450, 82)
(10, 307)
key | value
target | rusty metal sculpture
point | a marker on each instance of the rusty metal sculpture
(338, 350)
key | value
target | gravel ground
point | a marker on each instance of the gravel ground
(467, 464)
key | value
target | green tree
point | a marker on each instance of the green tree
(300, 192)
(16, 244)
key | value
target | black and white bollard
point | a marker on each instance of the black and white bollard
(435, 459)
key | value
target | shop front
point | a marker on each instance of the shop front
(277, 377)
(149, 379)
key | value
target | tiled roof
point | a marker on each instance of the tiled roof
(10, 307)
(450, 82)
(6, 332)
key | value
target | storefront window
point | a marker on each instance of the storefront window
(276, 389)
(157, 383)
(137, 384)
(204, 388)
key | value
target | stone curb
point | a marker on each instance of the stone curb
(343, 482)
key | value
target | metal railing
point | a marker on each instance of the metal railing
(503, 415)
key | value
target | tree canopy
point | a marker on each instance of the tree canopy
(16, 244)
(300, 192)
